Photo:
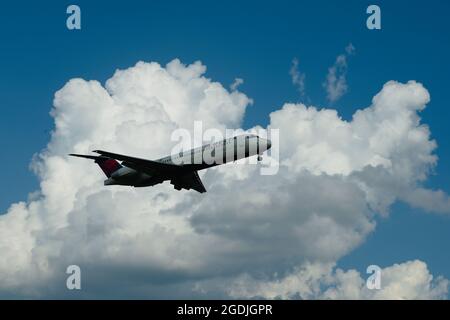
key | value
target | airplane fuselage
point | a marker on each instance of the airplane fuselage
(181, 168)
(199, 158)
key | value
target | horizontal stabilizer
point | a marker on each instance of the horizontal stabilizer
(107, 164)
(87, 156)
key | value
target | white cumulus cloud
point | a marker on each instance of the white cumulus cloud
(334, 176)
(409, 280)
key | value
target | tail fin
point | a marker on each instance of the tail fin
(108, 165)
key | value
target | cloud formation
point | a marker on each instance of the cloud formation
(336, 81)
(334, 177)
(407, 281)
(298, 78)
(237, 82)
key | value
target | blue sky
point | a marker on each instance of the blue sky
(256, 41)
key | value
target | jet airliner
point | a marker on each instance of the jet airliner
(181, 169)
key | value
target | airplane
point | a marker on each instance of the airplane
(181, 169)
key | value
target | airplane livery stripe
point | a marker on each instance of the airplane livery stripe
(257, 146)
(235, 155)
(224, 152)
(247, 147)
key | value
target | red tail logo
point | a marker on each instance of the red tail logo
(109, 166)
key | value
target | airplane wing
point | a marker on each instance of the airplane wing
(190, 180)
(147, 166)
